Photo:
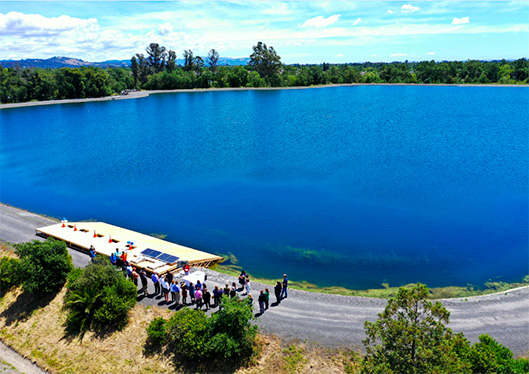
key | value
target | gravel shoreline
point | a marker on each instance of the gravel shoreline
(330, 320)
(140, 94)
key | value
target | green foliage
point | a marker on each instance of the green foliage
(156, 331)
(227, 335)
(98, 296)
(8, 273)
(489, 356)
(43, 266)
(186, 333)
(265, 60)
(410, 336)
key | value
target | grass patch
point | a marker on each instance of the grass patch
(386, 291)
(294, 358)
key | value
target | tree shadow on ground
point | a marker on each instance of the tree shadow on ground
(25, 305)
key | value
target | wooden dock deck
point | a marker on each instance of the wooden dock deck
(147, 252)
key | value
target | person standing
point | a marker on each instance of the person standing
(284, 291)
(277, 291)
(174, 292)
(198, 298)
(156, 281)
(92, 253)
(267, 299)
(184, 293)
(247, 284)
(262, 298)
(135, 276)
(192, 292)
(233, 291)
(143, 278)
(207, 298)
(166, 289)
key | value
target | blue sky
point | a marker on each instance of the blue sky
(300, 31)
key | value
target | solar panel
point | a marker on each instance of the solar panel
(151, 252)
(168, 258)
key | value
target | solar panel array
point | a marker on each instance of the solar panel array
(160, 255)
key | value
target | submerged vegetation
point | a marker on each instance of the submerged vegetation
(230, 266)
(158, 71)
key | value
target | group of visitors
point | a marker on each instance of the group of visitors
(198, 294)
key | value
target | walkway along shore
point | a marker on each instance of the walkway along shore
(141, 94)
(331, 320)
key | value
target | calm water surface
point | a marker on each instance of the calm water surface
(350, 186)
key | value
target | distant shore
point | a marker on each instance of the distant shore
(140, 94)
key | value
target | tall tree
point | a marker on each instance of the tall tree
(410, 336)
(135, 67)
(143, 68)
(189, 60)
(265, 60)
(156, 57)
(212, 60)
(171, 61)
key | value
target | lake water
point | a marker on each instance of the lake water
(349, 186)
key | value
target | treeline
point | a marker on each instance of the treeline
(158, 71)
(21, 85)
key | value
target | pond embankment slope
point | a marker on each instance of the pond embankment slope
(335, 320)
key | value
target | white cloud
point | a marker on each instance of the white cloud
(460, 21)
(408, 8)
(389, 12)
(431, 53)
(319, 21)
(165, 29)
(398, 55)
(358, 20)
(15, 23)
(339, 55)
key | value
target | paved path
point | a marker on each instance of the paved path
(333, 320)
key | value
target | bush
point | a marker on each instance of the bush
(489, 356)
(43, 266)
(186, 333)
(156, 331)
(98, 297)
(227, 335)
(8, 273)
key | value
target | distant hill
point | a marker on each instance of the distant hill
(69, 62)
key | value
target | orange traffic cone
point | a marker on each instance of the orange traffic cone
(63, 225)
(95, 235)
(74, 227)
(110, 239)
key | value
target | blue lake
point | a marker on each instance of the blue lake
(347, 186)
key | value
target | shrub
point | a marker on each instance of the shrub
(227, 335)
(43, 266)
(8, 273)
(156, 331)
(98, 296)
(186, 333)
(489, 356)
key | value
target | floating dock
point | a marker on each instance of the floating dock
(146, 252)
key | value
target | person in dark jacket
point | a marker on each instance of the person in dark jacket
(277, 291)
(143, 278)
(207, 298)
(262, 299)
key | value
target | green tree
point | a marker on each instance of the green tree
(43, 266)
(488, 357)
(213, 60)
(189, 60)
(157, 55)
(98, 297)
(411, 336)
(171, 61)
(265, 60)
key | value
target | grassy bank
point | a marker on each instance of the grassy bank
(386, 291)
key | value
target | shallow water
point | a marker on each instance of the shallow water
(350, 186)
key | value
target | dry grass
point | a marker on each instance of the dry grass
(35, 329)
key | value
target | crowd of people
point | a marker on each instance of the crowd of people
(181, 293)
